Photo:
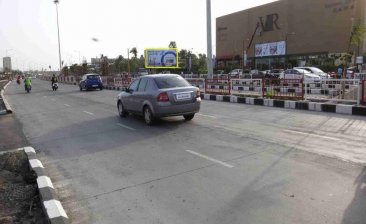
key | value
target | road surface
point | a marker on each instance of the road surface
(231, 164)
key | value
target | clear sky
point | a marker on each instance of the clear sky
(28, 30)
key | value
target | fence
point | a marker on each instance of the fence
(197, 82)
(327, 90)
(363, 87)
(217, 86)
(122, 82)
(292, 89)
(336, 90)
(251, 87)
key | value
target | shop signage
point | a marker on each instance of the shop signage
(270, 23)
(270, 49)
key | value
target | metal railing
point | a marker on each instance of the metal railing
(291, 89)
(197, 82)
(333, 90)
(363, 91)
(218, 86)
(246, 87)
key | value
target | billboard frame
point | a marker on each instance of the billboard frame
(162, 49)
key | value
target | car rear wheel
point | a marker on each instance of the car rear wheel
(148, 116)
(121, 110)
(188, 117)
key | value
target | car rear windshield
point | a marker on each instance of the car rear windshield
(167, 82)
(93, 76)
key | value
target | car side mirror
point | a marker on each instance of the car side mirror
(129, 90)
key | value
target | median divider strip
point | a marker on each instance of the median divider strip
(290, 104)
(52, 207)
(7, 105)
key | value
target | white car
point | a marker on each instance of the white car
(297, 73)
(236, 73)
(315, 71)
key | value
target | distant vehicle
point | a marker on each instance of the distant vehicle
(297, 73)
(91, 81)
(54, 86)
(159, 95)
(315, 71)
(236, 73)
(142, 72)
(276, 73)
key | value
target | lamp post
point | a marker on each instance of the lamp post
(286, 37)
(209, 40)
(245, 53)
(58, 33)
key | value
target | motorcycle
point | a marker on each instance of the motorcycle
(28, 88)
(54, 86)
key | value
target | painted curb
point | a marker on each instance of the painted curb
(297, 105)
(7, 105)
(51, 205)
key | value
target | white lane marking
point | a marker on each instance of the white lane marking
(67, 105)
(45, 96)
(211, 159)
(315, 135)
(125, 126)
(87, 112)
(204, 115)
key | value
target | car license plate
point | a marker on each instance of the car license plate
(95, 85)
(183, 96)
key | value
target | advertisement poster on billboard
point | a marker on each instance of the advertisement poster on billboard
(161, 58)
(270, 49)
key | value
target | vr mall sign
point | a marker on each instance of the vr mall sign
(269, 23)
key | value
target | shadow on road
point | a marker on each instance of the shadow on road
(356, 210)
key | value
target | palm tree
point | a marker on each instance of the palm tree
(357, 35)
(134, 52)
(172, 44)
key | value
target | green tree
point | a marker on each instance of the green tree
(172, 44)
(65, 71)
(134, 52)
(357, 36)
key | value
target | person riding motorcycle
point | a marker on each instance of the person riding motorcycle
(27, 83)
(53, 79)
(18, 79)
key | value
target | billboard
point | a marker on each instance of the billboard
(270, 49)
(161, 58)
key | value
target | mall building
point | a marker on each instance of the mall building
(289, 33)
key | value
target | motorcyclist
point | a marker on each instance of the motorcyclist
(18, 79)
(27, 82)
(53, 80)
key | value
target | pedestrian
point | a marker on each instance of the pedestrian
(340, 72)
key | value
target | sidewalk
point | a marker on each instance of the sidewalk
(11, 133)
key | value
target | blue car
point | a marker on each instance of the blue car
(91, 81)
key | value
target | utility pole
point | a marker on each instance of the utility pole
(58, 34)
(209, 40)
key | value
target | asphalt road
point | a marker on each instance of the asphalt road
(231, 164)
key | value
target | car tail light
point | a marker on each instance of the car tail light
(163, 97)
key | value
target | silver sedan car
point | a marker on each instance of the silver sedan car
(161, 95)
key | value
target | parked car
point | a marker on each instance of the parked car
(276, 73)
(91, 81)
(315, 71)
(160, 95)
(297, 73)
(236, 73)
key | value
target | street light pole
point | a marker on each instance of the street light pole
(286, 56)
(58, 34)
(209, 40)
